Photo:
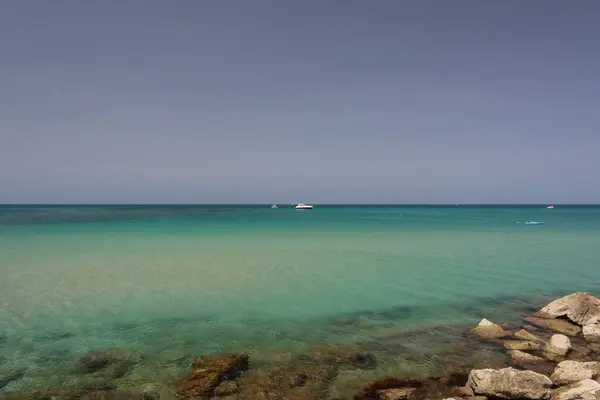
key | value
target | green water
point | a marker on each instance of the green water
(192, 280)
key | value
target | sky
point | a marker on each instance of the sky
(315, 101)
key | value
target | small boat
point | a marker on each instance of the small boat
(302, 206)
(274, 206)
(534, 223)
(550, 206)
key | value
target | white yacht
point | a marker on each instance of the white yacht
(301, 206)
(550, 206)
(274, 206)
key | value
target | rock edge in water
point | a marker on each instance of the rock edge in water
(209, 372)
(557, 359)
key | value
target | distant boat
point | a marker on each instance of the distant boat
(274, 206)
(301, 206)
(534, 223)
(550, 206)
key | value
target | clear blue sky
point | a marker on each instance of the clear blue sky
(320, 101)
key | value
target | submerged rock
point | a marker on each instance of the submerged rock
(208, 372)
(291, 381)
(68, 393)
(306, 374)
(558, 325)
(115, 362)
(568, 372)
(581, 308)
(430, 388)
(520, 357)
(530, 362)
(558, 345)
(10, 375)
(226, 388)
(115, 395)
(260, 384)
(584, 390)
(336, 354)
(489, 330)
(581, 353)
(523, 345)
(389, 387)
(395, 394)
(524, 335)
(277, 357)
(510, 383)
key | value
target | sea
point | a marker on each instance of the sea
(175, 282)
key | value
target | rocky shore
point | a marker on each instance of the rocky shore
(553, 355)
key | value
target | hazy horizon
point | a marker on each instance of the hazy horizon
(290, 204)
(263, 102)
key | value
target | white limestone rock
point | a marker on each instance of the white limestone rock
(584, 390)
(568, 372)
(510, 383)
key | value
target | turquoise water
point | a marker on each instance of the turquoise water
(176, 281)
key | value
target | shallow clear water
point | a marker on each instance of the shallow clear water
(173, 281)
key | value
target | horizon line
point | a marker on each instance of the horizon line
(290, 204)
